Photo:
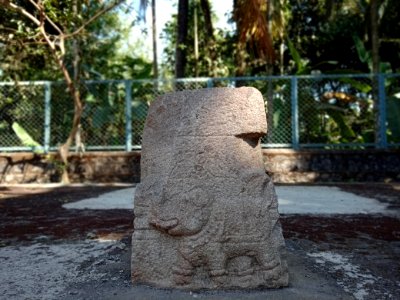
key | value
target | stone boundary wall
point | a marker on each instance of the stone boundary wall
(289, 166)
(284, 165)
(91, 167)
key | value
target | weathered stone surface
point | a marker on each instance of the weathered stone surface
(205, 211)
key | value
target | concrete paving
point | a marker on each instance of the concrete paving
(292, 200)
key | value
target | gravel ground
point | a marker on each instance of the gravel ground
(50, 252)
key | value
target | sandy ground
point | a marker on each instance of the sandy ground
(74, 243)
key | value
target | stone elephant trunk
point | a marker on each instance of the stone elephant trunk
(181, 211)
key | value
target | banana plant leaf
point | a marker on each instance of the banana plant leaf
(393, 118)
(345, 130)
(25, 138)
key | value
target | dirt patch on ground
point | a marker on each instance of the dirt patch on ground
(27, 215)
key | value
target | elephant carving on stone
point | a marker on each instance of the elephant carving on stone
(206, 213)
(220, 235)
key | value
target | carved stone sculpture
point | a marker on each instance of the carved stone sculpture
(206, 213)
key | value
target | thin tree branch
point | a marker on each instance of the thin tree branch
(8, 29)
(94, 17)
(25, 43)
(25, 13)
(59, 58)
(35, 4)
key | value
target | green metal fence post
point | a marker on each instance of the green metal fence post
(382, 111)
(210, 83)
(47, 116)
(295, 113)
(128, 115)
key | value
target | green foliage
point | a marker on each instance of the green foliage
(21, 56)
(323, 36)
(393, 109)
(320, 31)
(346, 132)
(318, 39)
(361, 86)
(365, 57)
(104, 117)
(363, 54)
(336, 110)
(301, 64)
(325, 30)
(393, 119)
(26, 57)
(280, 132)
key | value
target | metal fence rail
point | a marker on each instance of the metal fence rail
(323, 111)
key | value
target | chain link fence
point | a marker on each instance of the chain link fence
(324, 111)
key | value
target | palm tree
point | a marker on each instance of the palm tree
(210, 50)
(142, 16)
(252, 28)
(154, 35)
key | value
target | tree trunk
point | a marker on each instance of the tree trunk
(211, 51)
(154, 31)
(73, 87)
(196, 42)
(282, 38)
(270, 88)
(205, 7)
(63, 150)
(375, 66)
(375, 36)
(182, 32)
(240, 48)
